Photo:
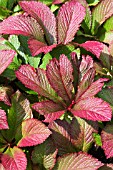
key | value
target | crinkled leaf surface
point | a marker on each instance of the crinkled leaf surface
(94, 47)
(81, 133)
(3, 120)
(45, 154)
(92, 108)
(5, 93)
(14, 158)
(34, 132)
(44, 17)
(101, 13)
(36, 81)
(6, 57)
(107, 140)
(21, 24)
(61, 136)
(49, 109)
(69, 18)
(78, 161)
(60, 77)
(37, 47)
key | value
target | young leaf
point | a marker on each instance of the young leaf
(6, 57)
(101, 13)
(45, 154)
(34, 132)
(107, 140)
(21, 24)
(14, 158)
(69, 18)
(60, 77)
(78, 161)
(3, 120)
(44, 17)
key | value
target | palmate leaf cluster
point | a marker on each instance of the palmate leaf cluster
(56, 85)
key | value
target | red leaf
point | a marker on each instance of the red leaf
(34, 132)
(44, 16)
(6, 57)
(94, 47)
(14, 158)
(92, 109)
(49, 109)
(3, 120)
(69, 18)
(35, 81)
(107, 140)
(37, 47)
(78, 161)
(60, 77)
(93, 89)
(21, 24)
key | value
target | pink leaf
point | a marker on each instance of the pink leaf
(60, 77)
(94, 47)
(107, 140)
(36, 81)
(37, 47)
(49, 109)
(58, 1)
(21, 24)
(78, 161)
(6, 57)
(85, 83)
(34, 132)
(69, 18)
(3, 120)
(44, 16)
(92, 109)
(94, 88)
(14, 158)
(1, 167)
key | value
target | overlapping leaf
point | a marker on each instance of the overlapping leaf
(100, 13)
(3, 120)
(94, 47)
(60, 77)
(34, 132)
(6, 57)
(80, 161)
(14, 158)
(44, 17)
(5, 93)
(107, 140)
(69, 18)
(45, 154)
(21, 24)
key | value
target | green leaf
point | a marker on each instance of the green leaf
(97, 139)
(93, 2)
(34, 61)
(108, 25)
(101, 13)
(45, 154)
(45, 60)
